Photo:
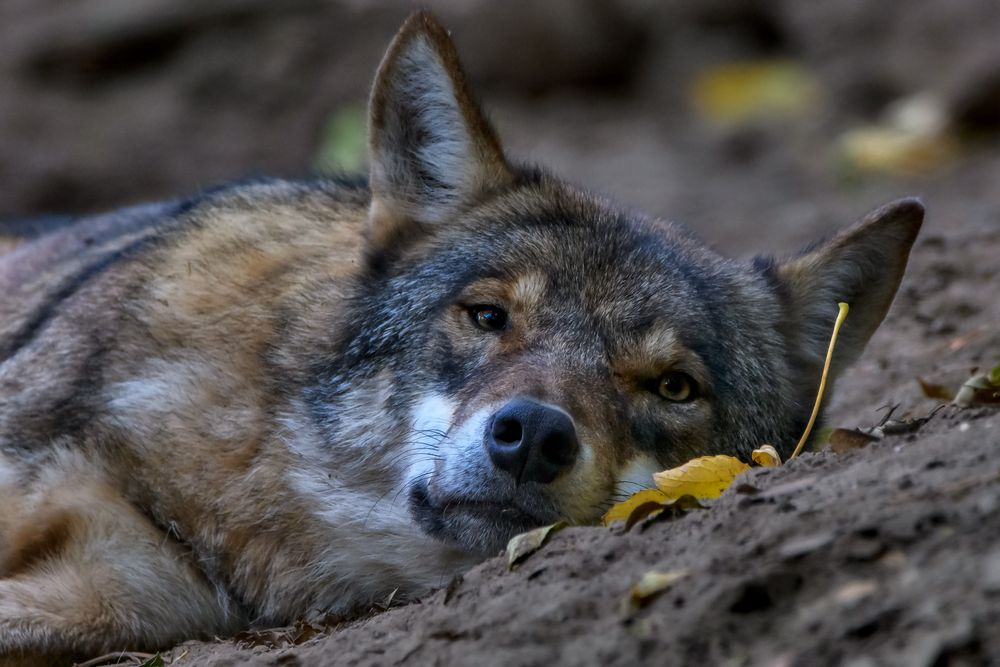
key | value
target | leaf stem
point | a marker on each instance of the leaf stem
(822, 382)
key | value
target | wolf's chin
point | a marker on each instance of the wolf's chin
(481, 528)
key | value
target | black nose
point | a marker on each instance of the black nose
(531, 441)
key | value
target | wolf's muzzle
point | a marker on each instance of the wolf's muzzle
(531, 441)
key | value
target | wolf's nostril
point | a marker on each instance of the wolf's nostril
(560, 448)
(531, 441)
(507, 431)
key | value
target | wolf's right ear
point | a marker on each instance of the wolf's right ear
(432, 151)
(861, 266)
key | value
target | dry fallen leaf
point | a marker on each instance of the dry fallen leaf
(651, 585)
(623, 510)
(667, 509)
(980, 389)
(521, 546)
(646, 504)
(845, 440)
(644, 511)
(766, 455)
(913, 138)
(895, 151)
(680, 488)
(703, 477)
(938, 391)
(292, 635)
(822, 436)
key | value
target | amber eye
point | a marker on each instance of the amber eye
(488, 318)
(678, 387)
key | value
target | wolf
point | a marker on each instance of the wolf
(284, 399)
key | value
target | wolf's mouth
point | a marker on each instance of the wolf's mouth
(474, 524)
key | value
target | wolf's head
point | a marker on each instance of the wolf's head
(538, 351)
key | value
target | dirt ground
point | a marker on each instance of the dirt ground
(888, 555)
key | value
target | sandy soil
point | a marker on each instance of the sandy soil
(889, 555)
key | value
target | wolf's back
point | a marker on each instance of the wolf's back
(38, 274)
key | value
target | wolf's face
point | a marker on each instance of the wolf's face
(570, 360)
(561, 350)
(545, 351)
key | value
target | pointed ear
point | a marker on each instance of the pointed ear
(861, 266)
(432, 151)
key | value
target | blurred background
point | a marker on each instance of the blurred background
(760, 124)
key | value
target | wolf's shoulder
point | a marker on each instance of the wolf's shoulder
(218, 227)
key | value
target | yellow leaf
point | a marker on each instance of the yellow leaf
(652, 584)
(766, 455)
(703, 477)
(643, 512)
(523, 545)
(914, 137)
(646, 504)
(895, 151)
(745, 91)
(623, 510)
(650, 510)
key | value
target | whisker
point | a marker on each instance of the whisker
(403, 487)
(395, 458)
(411, 483)
(433, 432)
(628, 481)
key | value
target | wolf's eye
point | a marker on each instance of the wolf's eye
(488, 318)
(678, 387)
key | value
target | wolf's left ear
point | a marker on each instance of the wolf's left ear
(862, 266)
(432, 151)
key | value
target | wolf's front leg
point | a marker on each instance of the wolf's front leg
(83, 573)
